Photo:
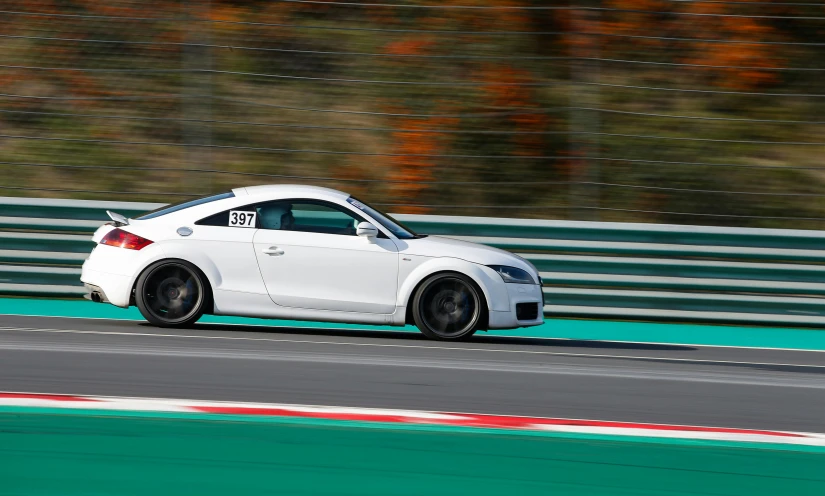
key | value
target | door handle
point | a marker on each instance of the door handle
(273, 251)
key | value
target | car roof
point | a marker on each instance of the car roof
(290, 190)
(244, 196)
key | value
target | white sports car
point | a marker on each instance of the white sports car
(306, 253)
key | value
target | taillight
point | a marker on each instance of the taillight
(122, 239)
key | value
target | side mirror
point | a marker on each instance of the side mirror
(367, 230)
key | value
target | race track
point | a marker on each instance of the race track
(676, 384)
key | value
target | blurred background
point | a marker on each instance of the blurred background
(686, 112)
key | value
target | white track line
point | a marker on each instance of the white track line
(332, 328)
(405, 346)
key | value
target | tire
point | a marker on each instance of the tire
(448, 307)
(171, 293)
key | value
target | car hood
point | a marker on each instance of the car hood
(439, 246)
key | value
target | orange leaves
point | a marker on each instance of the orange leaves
(501, 85)
(224, 14)
(108, 9)
(642, 13)
(408, 47)
(500, 19)
(11, 77)
(747, 66)
(413, 147)
(43, 6)
(645, 18)
(413, 144)
(418, 142)
(505, 89)
(81, 85)
(744, 66)
(169, 40)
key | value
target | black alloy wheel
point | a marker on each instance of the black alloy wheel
(448, 307)
(171, 294)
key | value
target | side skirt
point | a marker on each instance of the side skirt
(261, 306)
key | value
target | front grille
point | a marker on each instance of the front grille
(527, 311)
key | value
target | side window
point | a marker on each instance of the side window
(240, 217)
(307, 216)
(221, 219)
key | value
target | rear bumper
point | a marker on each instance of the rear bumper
(109, 272)
(95, 294)
(111, 288)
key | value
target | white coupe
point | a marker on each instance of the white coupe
(305, 253)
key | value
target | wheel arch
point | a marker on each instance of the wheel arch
(493, 291)
(210, 285)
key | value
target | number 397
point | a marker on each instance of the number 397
(241, 219)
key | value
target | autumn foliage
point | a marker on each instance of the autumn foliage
(420, 103)
(735, 57)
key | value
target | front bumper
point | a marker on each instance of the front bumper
(518, 293)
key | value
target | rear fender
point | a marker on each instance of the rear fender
(187, 253)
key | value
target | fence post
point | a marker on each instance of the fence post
(197, 87)
(584, 144)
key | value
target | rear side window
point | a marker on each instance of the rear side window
(221, 219)
(168, 209)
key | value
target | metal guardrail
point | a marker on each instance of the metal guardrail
(592, 269)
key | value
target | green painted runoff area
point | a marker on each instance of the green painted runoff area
(68, 453)
(597, 330)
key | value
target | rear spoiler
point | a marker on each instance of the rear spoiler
(119, 219)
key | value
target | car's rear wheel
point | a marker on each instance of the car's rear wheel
(448, 307)
(171, 293)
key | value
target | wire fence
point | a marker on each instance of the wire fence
(675, 111)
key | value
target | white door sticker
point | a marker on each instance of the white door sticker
(238, 218)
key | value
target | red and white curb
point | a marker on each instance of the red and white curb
(410, 417)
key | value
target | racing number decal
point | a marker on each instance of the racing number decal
(238, 218)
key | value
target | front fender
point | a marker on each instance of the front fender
(493, 288)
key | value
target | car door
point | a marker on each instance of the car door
(314, 259)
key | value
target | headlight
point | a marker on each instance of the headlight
(513, 275)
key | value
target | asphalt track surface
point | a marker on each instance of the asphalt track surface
(636, 382)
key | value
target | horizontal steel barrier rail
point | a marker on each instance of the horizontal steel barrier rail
(589, 269)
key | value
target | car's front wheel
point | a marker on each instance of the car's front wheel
(448, 307)
(171, 293)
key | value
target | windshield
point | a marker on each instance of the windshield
(399, 230)
(168, 209)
